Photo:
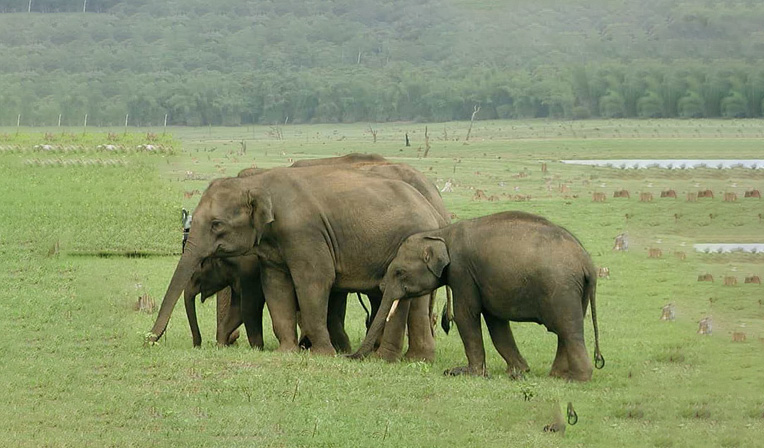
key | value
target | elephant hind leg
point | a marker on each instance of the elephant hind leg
(566, 320)
(336, 322)
(504, 341)
(190, 302)
(579, 365)
(571, 361)
(229, 315)
(560, 365)
(252, 304)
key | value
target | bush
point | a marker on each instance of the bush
(581, 113)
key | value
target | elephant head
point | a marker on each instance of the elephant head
(229, 221)
(417, 269)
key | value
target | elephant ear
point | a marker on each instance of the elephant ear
(261, 211)
(435, 255)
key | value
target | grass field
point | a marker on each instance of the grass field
(76, 372)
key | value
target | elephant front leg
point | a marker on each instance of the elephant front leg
(467, 318)
(504, 341)
(312, 288)
(282, 305)
(421, 340)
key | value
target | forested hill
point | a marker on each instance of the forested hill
(233, 61)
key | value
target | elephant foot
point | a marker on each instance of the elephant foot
(343, 348)
(466, 370)
(519, 365)
(233, 337)
(420, 355)
(387, 355)
(558, 373)
(357, 356)
(323, 350)
(569, 375)
(257, 345)
(288, 348)
(516, 374)
(342, 345)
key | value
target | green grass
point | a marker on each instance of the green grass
(76, 372)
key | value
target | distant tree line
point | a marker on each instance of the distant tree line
(237, 62)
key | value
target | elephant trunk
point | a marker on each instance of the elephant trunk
(386, 309)
(189, 262)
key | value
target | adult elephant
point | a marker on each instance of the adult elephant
(230, 317)
(315, 230)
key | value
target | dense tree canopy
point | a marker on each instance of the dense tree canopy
(234, 61)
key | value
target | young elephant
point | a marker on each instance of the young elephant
(511, 266)
(240, 300)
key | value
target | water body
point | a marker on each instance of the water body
(730, 247)
(671, 163)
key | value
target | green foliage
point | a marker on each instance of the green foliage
(239, 62)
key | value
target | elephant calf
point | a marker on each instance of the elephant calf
(511, 266)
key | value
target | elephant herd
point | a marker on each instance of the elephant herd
(300, 238)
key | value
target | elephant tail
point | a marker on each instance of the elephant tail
(590, 293)
(448, 312)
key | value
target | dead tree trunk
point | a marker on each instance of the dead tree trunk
(407, 139)
(472, 120)
(373, 133)
(426, 143)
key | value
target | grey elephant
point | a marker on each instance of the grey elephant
(236, 283)
(510, 266)
(229, 317)
(230, 278)
(315, 230)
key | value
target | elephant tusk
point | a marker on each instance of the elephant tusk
(392, 310)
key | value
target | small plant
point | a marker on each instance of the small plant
(631, 411)
(528, 390)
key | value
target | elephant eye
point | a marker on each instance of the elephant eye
(217, 226)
